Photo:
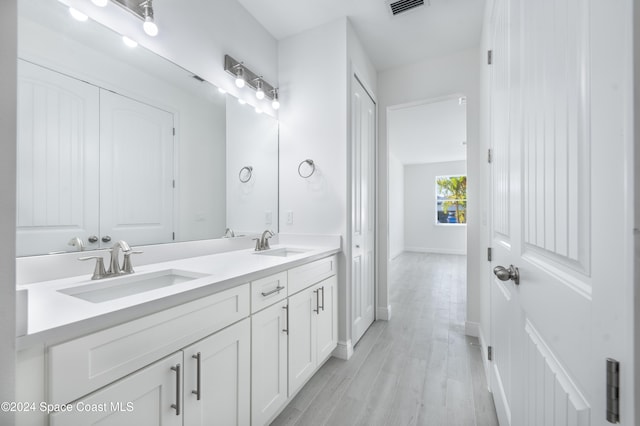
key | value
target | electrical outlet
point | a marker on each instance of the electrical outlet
(268, 217)
(289, 217)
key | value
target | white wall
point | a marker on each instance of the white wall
(457, 73)
(421, 233)
(8, 82)
(396, 207)
(315, 78)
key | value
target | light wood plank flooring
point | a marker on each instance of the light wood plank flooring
(419, 368)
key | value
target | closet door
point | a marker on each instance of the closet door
(57, 164)
(136, 171)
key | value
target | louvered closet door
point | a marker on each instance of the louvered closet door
(136, 171)
(557, 120)
(57, 164)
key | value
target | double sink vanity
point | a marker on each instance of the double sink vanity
(230, 337)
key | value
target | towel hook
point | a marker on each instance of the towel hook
(310, 163)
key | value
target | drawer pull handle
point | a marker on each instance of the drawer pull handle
(317, 309)
(322, 298)
(198, 391)
(286, 308)
(275, 290)
(176, 406)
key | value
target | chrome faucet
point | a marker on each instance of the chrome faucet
(262, 243)
(114, 264)
(228, 233)
(77, 243)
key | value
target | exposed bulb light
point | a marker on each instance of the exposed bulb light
(100, 3)
(276, 103)
(221, 90)
(259, 90)
(241, 101)
(149, 25)
(77, 15)
(240, 81)
(129, 42)
(258, 110)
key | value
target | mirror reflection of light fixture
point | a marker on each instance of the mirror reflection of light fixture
(77, 15)
(276, 103)
(241, 101)
(245, 77)
(240, 81)
(129, 42)
(259, 90)
(100, 3)
(149, 25)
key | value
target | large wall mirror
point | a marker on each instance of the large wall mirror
(118, 143)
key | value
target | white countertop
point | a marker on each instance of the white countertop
(54, 317)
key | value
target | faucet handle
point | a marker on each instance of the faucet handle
(98, 272)
(127, 266)
(258, 245)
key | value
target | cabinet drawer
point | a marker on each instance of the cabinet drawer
(267, 291)
(83, 365)
(311, 273)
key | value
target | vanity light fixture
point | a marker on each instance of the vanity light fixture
(149, 25)
(276, 103)
(259, 90)
(240, 80)
(77, 15)
(245, 77)
(129, 42)
(100, 3)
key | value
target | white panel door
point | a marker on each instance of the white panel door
(268, 362)
(57, 164)
(144, 398)
(217, 379)
(136, 171)
(556, 138)
(363, 124)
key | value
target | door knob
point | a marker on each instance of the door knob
(93, 239)
(505, 274)
(106, 239)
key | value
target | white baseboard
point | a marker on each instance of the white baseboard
(472, 329)
(394, 255)
(383, 313)
(344, 350)
(436, 250)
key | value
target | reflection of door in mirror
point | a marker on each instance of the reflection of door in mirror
(65, 189)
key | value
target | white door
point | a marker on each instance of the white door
(363, 124)
(57, 164)
(144, 398)
(136, 171)
(268, 362)
(558, 137)
(217, 378)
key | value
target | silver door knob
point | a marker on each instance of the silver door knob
(505, 274)
(93, 239)
(106, 239)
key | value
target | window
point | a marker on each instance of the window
(451, 199)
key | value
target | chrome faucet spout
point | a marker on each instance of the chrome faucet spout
(77, 243)
(114, 263)
(264, 239)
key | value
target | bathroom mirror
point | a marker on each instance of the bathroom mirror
(118, 143)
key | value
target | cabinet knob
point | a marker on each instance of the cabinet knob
(106, 239)
(92, 239)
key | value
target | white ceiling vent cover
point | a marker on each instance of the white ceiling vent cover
(400, 6)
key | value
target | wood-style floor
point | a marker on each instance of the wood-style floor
(419, 368)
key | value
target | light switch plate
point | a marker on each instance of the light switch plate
(289, 217)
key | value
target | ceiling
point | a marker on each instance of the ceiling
(438, 28)
(429, 132)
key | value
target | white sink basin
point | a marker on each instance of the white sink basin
(128, 285)
(282, 252)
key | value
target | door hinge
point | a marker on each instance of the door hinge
(174, 183)
(174, 131)
(490, 353)
(488, 254)
(489, 57)
(489, 156)
(613, 391)
(173, 236)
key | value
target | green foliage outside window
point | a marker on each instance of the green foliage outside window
(451, 194)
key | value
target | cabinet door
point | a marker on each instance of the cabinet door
(144, 398)
(57, 159)
(217, 391)
(303, 309)
(327, 319)
(268, 362)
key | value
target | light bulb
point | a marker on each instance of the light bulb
(77, 15)
(100, 3)
(259, 91)
(150, 27)
(129, 42)
(240, 78)
(242, 101)
(275, 104)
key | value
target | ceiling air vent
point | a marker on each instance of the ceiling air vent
(400, 6)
